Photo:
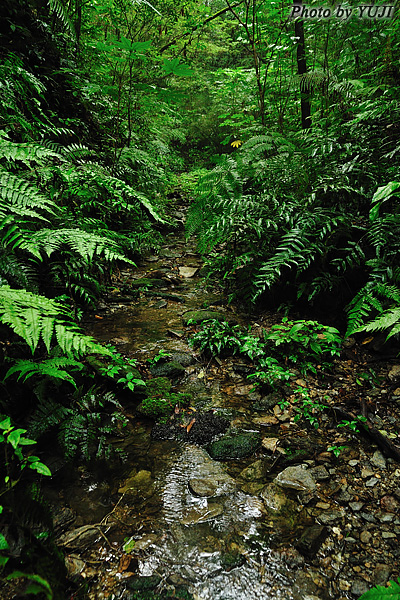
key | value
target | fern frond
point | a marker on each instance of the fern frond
(52, 367)
(87, 245)
(36, 318)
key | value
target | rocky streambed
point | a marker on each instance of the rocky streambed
(234, 498)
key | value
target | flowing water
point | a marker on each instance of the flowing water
(213, 540)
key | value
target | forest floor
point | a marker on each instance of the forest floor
(345, 537)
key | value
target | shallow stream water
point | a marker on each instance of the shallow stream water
(215, 544)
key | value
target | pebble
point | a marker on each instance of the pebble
(353, 462)
(387, 535)
(389, 504)
(356, 506)
(365, 537)
(371, 482)
(366, 472)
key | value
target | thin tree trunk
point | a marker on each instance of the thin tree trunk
(302, 69)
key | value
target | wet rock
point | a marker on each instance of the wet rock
(63, 517)
(237, 446)
(255, 471)
(183, 358)
(198, 316)
(202, 515)
(276, 500)
(144, 542)
(74, 565)
(205, 428)
(296, 478)
(212, 484)
(365, 536)
(80, 538)
(267, 402)
(140, 484)
(356, 506)
(311, 540)
(173, 370)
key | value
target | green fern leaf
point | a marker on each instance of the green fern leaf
(392, 592)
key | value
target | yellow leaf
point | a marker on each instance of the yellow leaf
(236, 143)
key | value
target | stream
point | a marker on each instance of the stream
(172, 518)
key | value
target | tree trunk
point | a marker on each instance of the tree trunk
(302, 69)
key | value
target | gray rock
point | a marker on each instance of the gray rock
(356, 506)
(372, 482)
(296, 478)
(365, 536)
(381, 574)
(255, 471)
(359, 587)
(319, 473)
(330, 516)
(378, 460)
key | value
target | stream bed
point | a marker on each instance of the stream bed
(172, 519)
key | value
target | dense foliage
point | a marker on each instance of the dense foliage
(289, 131)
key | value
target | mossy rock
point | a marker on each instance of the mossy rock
(143, 583)
(145, 282)
(158, 386)
(235, 446)
(173, 370)
(198, 316)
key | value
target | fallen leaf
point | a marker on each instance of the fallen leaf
(189, 427)
(97, 317)
(124, 562)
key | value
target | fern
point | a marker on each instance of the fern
(86, 245)
(379, 592)
(36, 318)
(52, 367)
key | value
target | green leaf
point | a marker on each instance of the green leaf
(39, 467)
(174, 67)
(382, 194)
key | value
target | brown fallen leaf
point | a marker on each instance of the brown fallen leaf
(98, 317)
(124, 562)
(189, 427)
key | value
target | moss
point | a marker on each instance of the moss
(159, 386)
(235, 446)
